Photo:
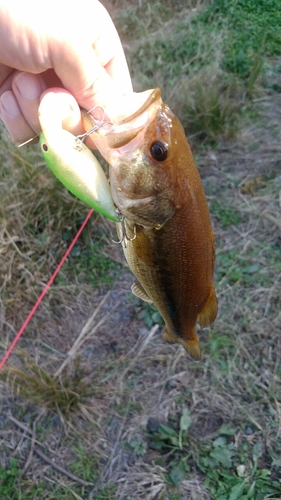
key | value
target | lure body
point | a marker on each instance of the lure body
(167, 236)
(78, 169)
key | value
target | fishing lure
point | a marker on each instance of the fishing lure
(74, 164)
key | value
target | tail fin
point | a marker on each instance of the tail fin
(191, 346)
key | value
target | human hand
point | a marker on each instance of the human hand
(63, 45)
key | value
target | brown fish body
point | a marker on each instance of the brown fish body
(166, 233)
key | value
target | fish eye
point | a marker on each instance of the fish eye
(159, 151)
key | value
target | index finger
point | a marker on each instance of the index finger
(93, 67)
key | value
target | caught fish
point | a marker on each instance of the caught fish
(165, 226)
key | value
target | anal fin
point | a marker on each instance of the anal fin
(209, 313)
(140, 292)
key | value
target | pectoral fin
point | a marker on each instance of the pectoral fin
(191, 346)
(140, 292)
(142, 248)
(209, 313)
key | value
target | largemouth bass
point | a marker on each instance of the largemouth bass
(165, 225)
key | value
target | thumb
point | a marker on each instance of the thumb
(58, 110)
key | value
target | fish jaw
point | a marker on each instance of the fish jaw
(113, 135)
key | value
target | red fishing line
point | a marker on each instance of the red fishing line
(42, 295)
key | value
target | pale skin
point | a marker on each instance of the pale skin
(69, 48)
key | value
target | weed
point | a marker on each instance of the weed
(138, 446)
(226, 215)
(64, 395)
(9, 484)
(86, 464)
(207, 108)
(137, 20)
(150, 315)
(128, 407)
(107, 493)
(252, 29)
(8, 479)
(180, 53)
(146, 311)
(244, 269)
(218, 459)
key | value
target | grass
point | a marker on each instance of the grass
(94, 388)
(65, 394)
(10, 479)
(209, 63)
(89, 264)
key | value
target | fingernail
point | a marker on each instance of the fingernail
(29, 86)
(10, 104)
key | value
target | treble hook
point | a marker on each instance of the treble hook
(98, 124)
(124, 236)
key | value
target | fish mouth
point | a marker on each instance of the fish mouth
(120, 135)
(153, 95)
(124, 132)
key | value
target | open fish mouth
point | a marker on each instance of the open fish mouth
(122, 136)
(125, 131)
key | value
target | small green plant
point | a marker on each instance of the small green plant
(11, 487)
(90, 265)
(107, 493)
(138, 446)
(248, 482)
(172, 442)
(243, 269)
(252, 29)
(226, 215)
(86, 464)
(218, 459)
(150, 315)
(8, 478)
(228, 40)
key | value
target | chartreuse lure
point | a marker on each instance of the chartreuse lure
(78, 169)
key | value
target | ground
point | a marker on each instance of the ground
(125, 415)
